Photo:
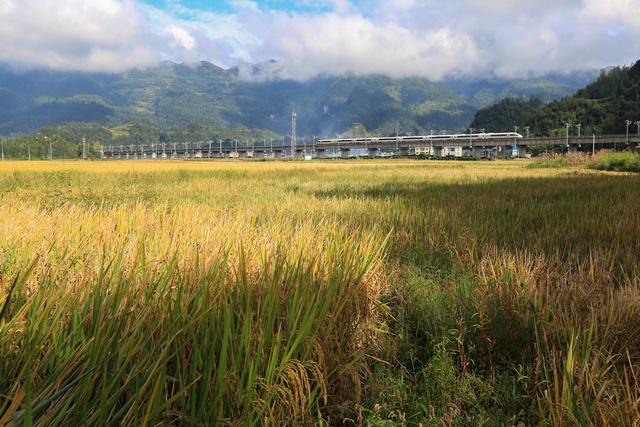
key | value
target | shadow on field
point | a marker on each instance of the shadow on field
(544, 254)
(568, 216)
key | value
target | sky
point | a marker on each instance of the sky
(300, 39)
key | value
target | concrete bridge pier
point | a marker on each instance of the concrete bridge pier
(242, 154)
(522, 151)
(372, 152)
(344, 152)
(477, 152)
(403, 151)
(503, 151)
(299, 153)
(258, 154)
(572, 149)
(321, 153)
(438, 151)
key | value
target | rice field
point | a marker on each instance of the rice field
(373, 292)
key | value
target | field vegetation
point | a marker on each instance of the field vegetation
(324, 292)
(621, 162)
(605, 160)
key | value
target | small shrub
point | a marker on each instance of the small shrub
(619, 162)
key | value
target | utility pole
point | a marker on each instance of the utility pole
(593, 145)
(397, 138)
(568, 125)
(84, 148)
(526, 128)
(628, 122)
(2, 147)
(638, 125)
(431, 143)
(578, 126)
(293, 134)
(50, 150)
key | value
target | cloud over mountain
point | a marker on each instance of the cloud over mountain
(428, 38)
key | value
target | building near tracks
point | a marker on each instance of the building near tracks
(455, 151)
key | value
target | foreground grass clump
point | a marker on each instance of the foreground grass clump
(196, 335)
(619, 162)
(318, 292)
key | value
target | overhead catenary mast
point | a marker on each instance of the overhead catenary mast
(293, 134)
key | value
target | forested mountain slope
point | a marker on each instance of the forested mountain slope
(601, 108)
(175, 95)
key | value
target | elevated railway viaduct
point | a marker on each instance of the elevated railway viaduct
(481, 145)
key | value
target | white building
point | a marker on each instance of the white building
(435, 151)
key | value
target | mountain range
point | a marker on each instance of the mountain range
(174, 95)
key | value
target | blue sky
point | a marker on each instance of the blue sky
(229, 7)
(428, 38)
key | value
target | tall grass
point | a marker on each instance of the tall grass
(264, 293)
(619, 162)
(242, 330)
(555, 160)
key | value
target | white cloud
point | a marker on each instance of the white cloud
(626, 12)
(99, 35)
(430, 38)
(334, 43)
(182, 36)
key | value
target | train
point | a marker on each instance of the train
(461, 136)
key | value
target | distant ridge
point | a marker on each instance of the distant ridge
(251, 96)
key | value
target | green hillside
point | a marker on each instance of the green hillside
(144, 133)
(175, 95)
(601, 108)
(485, 92)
